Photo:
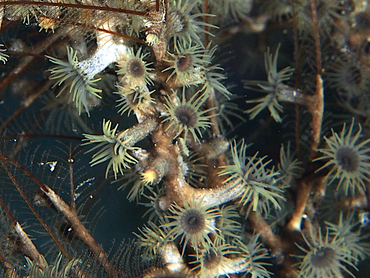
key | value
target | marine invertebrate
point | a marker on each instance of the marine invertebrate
(289, 167)
(324, 256)
(134, 69)
(235, 10)
(347, 159)
(214, 261)
(194, 223)
(196, 170)
(64, 113)
(112, 148)
(228, 223)
(274, 88)
(3, 56)
(348, 228)
(260, 183)
(213, 80)
(72, 77)
(184, 25)
(228, 109)
(186, 116)
(329, 15)
(214, 77)
(187, 64)
(133, 99)
(23, 12)
(176, 154)
(276, 9)
(348, 76)
(57, 269)
(152, 238)
(256, 256)
(154, 210)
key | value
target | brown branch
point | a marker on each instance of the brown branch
(212, 103)
(165, 10)
(4, 158)
(317, 106)
(157, 5)
(273, 241)
(303, 193)
(297, 59)
(205, 20)
(8, 213)
(81, 231)
(27, 102)
(27, 246)
(91, 27)
(316, 109)
(26, 62)
(259, 224)
(74, 6)
(177, 189)
(71, 178)
(9, 269)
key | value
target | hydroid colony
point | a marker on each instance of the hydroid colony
(135, 87)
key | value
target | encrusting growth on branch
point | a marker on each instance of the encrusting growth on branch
(150, 95)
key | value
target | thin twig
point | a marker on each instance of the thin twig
(4, 158)
(317, 106)
(81, 231)
(75, 6)
(9, 269)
